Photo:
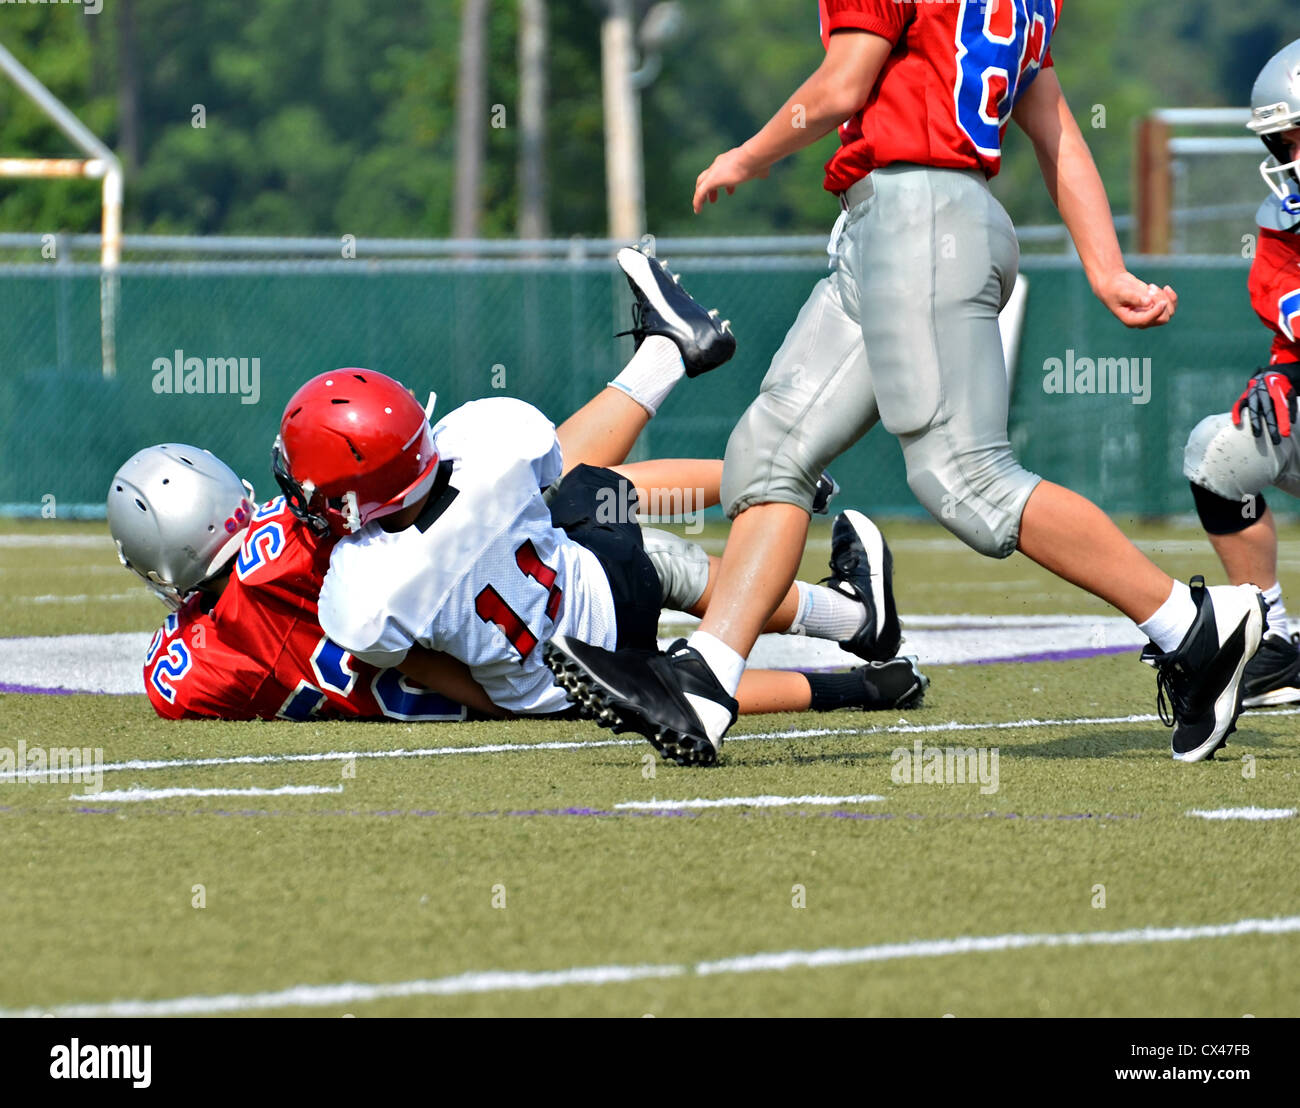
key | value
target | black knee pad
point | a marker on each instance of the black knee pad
(1221, 516)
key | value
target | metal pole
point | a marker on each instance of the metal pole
(471, 117)
(533, 223)
(111, 170)
(624, 170)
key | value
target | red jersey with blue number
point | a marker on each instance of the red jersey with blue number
(1275, 291)
(260, 652)
(945, 94)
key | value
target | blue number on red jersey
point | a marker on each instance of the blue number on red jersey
(303, 703)
(333, 667)
(1288, 314)
(171, 669)
(399, 699)
(269, 509)
(263, 545)
(1001, 45)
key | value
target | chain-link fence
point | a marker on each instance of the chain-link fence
(208, 353)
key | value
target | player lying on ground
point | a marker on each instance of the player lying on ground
(905, 331)
(451, 546)
(1228, 466)
(246, 643)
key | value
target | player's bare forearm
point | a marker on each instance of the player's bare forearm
(441, 673)
(838, 88)
(1071, 176)
(694, 483)
(1076, 188)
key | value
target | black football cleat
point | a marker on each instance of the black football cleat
(662, 307)
(863, 568)
(1199, 685)
(1273, 675)
(896, 684)
(642, 692)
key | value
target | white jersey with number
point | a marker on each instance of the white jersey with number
(490, 579)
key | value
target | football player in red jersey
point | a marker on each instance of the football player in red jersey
(905, 332)
(246, 642)
(1228, 466)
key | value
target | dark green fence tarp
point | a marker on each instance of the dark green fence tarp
(545, 331)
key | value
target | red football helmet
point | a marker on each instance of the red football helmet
(354, 446)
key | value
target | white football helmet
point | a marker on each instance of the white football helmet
(178, 515)
(1275, 108)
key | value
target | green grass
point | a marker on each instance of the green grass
(393, 879)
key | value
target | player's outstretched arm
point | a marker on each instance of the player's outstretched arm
(1076, 188)
(441, 673)
(838, 88)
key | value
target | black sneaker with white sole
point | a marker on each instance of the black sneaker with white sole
(643, 692)
(662, 307)
(1198, 685)
(1273, 675)
(892, 685)
(863, 568)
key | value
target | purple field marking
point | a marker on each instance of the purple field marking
(36, 690)
(1054, 656)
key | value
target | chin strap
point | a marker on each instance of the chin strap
(295, 495)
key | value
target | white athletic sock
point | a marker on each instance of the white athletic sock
(726, 664)
(1173, 618)
(826, 613)
(652, 373)
(1277, 624)
(727, 667)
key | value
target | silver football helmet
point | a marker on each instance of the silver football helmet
(1275, 108)
(178, 515)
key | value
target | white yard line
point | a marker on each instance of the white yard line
(128, 796)
(746, 802)
(144, 765)
(1243, 813)
(351, 993)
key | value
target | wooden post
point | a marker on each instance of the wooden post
(1153, 187)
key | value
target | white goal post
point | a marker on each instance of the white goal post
(99, 164)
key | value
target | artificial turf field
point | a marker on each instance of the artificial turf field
(487, 869)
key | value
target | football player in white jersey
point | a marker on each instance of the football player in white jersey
(450, 545)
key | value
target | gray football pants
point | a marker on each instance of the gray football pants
(1231, 462)
(905, 330)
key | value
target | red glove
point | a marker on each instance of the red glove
(1270, 401)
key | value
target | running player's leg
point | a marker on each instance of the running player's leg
(815, 402)
(936, 257)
